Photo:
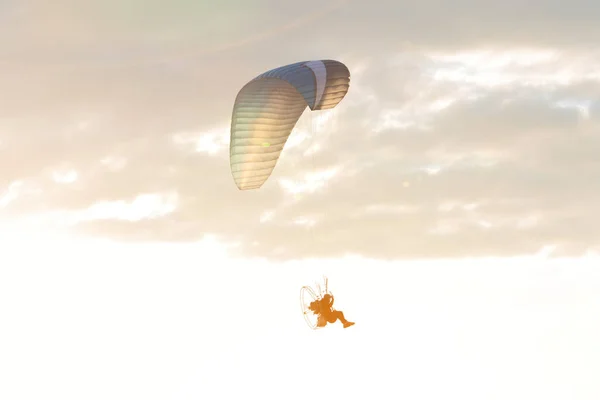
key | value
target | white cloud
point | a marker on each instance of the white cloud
(529, 221)
(494, 59)
(546, 251)
(11, 193)
(211, 142)
(582, 106)
(522, 67)
(311, 182)
(431, 169)
(305, 221)
(65, 177)
(485, 224)
(18, 189)
(441, 104)
(422, 107)
(267, 216)
(391, 209)
(114, 163)
(395, 119)
(142, 207)
(297, 138)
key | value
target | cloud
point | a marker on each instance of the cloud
(444, 146)
(10, 194)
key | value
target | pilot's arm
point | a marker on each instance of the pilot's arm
(329, 300)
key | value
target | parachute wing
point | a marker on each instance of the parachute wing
(268, 107)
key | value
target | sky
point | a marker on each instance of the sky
(451, 199)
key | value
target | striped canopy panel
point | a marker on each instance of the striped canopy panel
(267, 108)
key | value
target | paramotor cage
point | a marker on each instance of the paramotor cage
(307, 296)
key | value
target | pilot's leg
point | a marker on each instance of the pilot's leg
(335, 315)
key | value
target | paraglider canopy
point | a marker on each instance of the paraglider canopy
(268, 107)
